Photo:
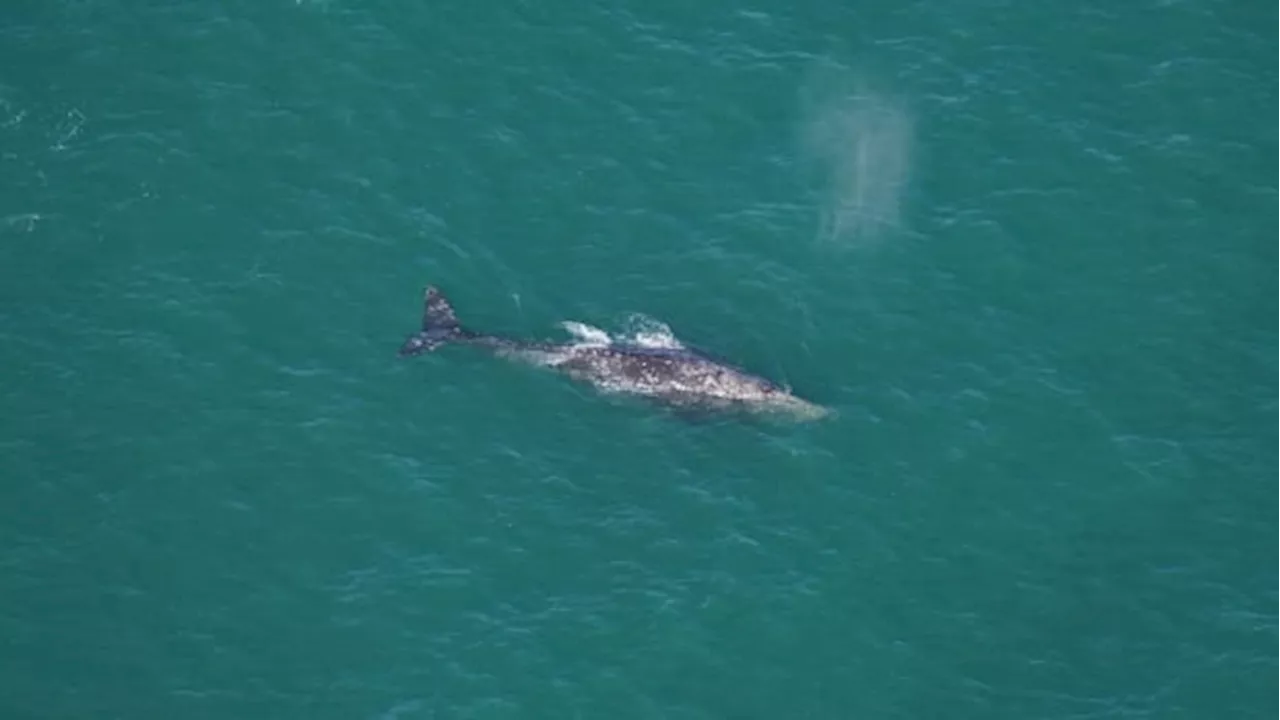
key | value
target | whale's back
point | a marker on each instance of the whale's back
(665, 372)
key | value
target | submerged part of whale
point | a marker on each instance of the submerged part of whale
(664, 371)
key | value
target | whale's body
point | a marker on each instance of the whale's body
(666, 372)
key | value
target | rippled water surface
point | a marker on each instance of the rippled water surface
(1025, 250)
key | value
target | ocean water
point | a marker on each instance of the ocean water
(1024, 250)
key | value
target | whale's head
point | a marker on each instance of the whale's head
(783, 400)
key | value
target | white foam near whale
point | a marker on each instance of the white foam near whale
(586, 334)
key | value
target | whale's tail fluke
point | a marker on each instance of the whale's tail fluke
(439, 325)
(437, 313)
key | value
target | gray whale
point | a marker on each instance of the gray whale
(673, 375)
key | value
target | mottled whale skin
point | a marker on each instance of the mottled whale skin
(671, 374)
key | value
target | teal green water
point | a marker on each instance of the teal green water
(1024, 249)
